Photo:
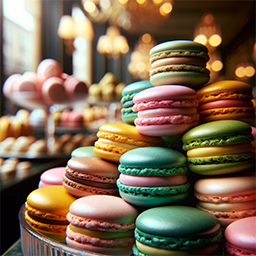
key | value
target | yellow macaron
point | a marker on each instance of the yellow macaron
(46, 210)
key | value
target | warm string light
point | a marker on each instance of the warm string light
(245, 70)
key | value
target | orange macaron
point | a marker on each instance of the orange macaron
(46, 210)
(227, 99)
(114, 139)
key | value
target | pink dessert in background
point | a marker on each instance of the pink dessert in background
(52, 177)
(49, 68)
(8, 84)
(53, 91)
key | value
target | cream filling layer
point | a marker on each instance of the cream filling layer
(101, 234)
(118, 144)
(219, 150)
(223, 207)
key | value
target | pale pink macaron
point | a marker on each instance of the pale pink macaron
(53, 91)
(49, 68)
(53, 176)
(75, 89)
(229, 198)
(166, 110)
(240, 237)
(8, 84)
(102, 224)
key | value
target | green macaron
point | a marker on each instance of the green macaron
(152, 176)
(174, 230)
(129, 91)
(83, 151)
(219, 147)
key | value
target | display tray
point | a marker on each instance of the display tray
(36, 244)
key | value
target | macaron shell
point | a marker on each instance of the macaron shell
(177, 222)
(158, 157)
(179, 45)
(53, 200)
(83, 151)
(188, 78)
(132, 88)
(97, 249)
(165, 130)
(233, 186)
(226, 89)
(8, 84)
(153, 201)
(242, 233)
(104, 208)
(219, 169)
(52, 176)
(175, 92)
(49, 68)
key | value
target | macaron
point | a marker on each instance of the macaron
(83, 151)
(101, 224)
(166, 110)
(89, 176)
(48, 68)
(53, 91)
(226, 100)
(128, 92)
(114, 139)
(229, 198)
(240, 237)
(53, 176)
(153, 176)
(46, 210)
(8, 84)
(181, 62)
(75, 88)
(219, 147)
(176, 230)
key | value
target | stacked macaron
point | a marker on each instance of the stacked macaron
(229, 198)
(48, 86)
(89, 176)
(114, 139)
(153, 176)
(176, 230)
(102, 224)
(226, 100)
(180, 62)
(46, 210)
(166, 110)
(129, 91)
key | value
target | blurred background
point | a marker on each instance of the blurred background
(92, 37)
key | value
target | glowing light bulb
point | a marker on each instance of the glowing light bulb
(146, 38)
(249, 71)
(165, 9)
(215, 40)
(217, 65)
(89, 6)
(201, 39)
(239, 72)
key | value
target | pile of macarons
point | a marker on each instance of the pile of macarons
(47, 86)
(175, 177)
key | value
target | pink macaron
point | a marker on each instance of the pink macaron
(53, 176)
(8, 84)
(101, 224)
(75, 89)
(48, 68)
(71, 118)
(166, 110)
(229, 198)
(240, 237)
(53, 91)
(90, 176)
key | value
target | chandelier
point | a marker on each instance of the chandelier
(128, 14)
